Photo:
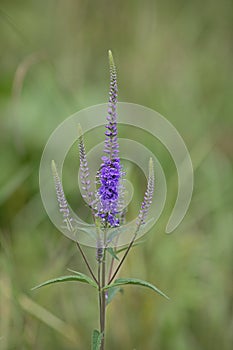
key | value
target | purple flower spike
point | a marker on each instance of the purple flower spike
(63, 205)
(110, 172)
(148, 196)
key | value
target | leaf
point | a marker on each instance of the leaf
(82, 275)
(112, 293)
(111, 251)
(96, 340)
(135, 281)
(79, 277)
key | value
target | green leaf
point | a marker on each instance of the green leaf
(96, 340)
(79, 277)
(135, 281)
(111, 251)
(88, 279)
(112, 293)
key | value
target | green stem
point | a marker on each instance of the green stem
(103, 300)
(112, 261)
(87, 263)
(111, 268)
(100, 297)
(124, 257)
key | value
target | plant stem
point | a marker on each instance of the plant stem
(103, 300)
(111, 268)
(87, 263)
(99, 292)
(123, 258)
(112, 261)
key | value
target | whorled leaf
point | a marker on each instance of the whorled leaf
(135, 281)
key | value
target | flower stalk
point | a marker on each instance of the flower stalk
(107, 212)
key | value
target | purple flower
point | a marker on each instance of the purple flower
(110, 172)
(107, 203)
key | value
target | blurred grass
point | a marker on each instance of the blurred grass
(175, 57)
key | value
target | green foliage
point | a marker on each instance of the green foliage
(96, 340)
(79, 277)
(111, 251)
(14, 183)
(135, 281)
(112, 292)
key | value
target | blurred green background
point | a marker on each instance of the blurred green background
(173, 56)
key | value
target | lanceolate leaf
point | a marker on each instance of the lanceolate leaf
(88, 279)
(96, 340)
(135, 281)
(76, 278)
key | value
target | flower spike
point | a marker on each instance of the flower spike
(84, 170)
(63, 205)
(110, 172)
(148, 196)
